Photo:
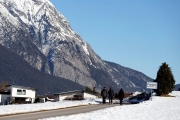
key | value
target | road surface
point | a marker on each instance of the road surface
(58, 112)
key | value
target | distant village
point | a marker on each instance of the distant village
(14, 94)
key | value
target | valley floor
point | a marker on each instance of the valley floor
(160, 108)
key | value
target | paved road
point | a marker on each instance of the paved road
(58, 112)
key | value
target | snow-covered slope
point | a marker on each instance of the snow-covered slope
(41, 35)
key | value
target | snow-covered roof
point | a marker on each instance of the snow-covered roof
(5, 93)
(73, 92)
(68, 92)
(21, 87)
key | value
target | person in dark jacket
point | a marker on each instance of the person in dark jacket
(121, 95)
(111, 95)
(104, 95)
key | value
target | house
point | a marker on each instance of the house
(17, 94)
(71, 94)
(3, 97)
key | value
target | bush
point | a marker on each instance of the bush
(89, 90)
(75, 97)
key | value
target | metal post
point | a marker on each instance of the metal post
(151, 94)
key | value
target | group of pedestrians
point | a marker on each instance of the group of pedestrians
(110, 95)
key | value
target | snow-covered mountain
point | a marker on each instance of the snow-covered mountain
(35, 30)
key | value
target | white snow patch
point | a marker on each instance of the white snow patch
(94, 66)
(22, 108)
(85, 48)
(133, 84)
(116, 70)
(116, 81)
(8, 16)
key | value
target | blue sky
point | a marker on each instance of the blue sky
(139, 34)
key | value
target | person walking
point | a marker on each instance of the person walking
(104, 95)
(111, 95)
(121, 95)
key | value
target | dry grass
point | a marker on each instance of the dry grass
(166, 95)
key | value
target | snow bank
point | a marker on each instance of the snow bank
(160, 108)
(12, 109)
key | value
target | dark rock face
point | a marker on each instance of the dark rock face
(43, 37)
(15, 70)
(177, 87)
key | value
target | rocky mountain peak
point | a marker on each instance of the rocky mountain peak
(35, 30)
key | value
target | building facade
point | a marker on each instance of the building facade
(71, 94)
(18, 94)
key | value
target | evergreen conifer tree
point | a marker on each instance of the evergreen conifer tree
(165, 80)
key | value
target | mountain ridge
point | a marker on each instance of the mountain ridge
(45, 39)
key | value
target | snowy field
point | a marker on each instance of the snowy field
(160, 108)
(13, 109)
